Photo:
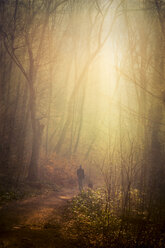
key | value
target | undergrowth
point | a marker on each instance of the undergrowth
(92, 221)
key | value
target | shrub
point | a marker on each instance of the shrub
(92, 221)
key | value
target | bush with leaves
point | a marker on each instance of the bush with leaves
(92, 221)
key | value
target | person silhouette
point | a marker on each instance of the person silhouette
(80, 175)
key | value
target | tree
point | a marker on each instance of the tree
(30, 36)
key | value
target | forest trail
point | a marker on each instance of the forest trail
(35, 221)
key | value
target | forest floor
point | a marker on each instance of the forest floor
(35, 221)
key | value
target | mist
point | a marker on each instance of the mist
(82, 83)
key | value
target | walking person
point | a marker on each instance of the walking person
(80, 175)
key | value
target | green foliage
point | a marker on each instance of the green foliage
(92, 221)
(91, 218)
(25, 190)
(8, 196)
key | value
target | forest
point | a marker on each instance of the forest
(82, 82)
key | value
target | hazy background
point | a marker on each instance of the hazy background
(82, 82)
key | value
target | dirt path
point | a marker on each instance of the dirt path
(34, 222)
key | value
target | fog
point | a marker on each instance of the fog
(82, 82)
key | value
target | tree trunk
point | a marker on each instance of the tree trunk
(37, 130)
